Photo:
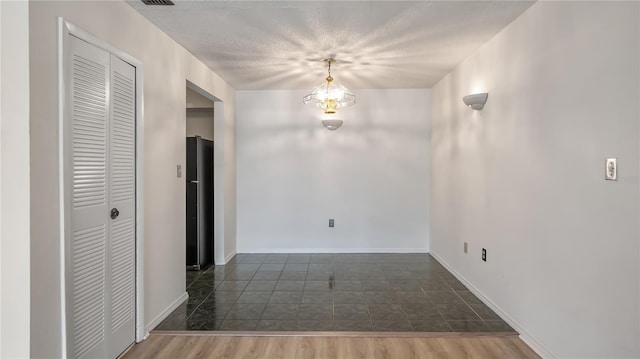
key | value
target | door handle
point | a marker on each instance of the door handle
(114, 213)
(193, 181)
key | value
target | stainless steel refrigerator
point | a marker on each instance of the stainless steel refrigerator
(199, 176)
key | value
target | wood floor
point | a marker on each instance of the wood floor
(174, 346)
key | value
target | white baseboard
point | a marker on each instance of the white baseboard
(162, 316)
(228, 257)
(333, 250)
(526, 337)
(537, 347)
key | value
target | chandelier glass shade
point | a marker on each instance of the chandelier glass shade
(330, 95)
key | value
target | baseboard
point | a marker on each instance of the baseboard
(333, 250)
(526, 337)
(228, 257)
(162, 316)
(537, 347)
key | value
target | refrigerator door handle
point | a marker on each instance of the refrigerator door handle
(193, 182)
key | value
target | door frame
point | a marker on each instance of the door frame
(218, 173)
(66, 29)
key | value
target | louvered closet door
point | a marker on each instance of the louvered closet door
(88, 163)
(122, 198)
(99, 145)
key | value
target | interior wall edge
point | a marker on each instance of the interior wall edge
(15, 181)
(228, 257)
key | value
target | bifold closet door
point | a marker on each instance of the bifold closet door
(99, 157)
(122, 196)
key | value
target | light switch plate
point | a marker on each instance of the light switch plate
(611, 169)
(179, 171)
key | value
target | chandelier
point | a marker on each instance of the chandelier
(330, 95)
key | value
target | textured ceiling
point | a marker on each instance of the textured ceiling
(377, 44)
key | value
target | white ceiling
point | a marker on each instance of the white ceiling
(378, 44)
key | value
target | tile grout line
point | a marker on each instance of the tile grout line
(437, 309)
(473, 310)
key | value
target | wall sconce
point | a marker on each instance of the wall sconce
(476, 101)
(332, 124)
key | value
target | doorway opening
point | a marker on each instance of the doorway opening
(200, 239)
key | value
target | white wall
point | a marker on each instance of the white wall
(371, 175)
(167, 66)
(196, 100)
(200, 123)
(14, 180)
(524, 178)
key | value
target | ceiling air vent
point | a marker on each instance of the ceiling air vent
(158, 2)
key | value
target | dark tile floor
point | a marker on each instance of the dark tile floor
(331, 292)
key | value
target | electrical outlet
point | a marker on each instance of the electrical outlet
(465, 247)
(611, 169)
(331, 223)
(484, 254)
(179, 171)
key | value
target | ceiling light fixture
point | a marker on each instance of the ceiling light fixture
(330, 95)
(332, 124)
(476, 101)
